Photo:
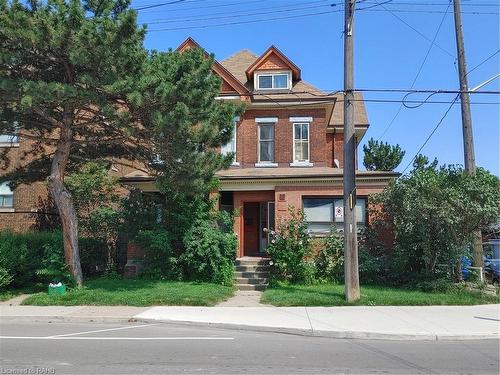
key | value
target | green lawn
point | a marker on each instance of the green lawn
(371, 295)
(137, 292)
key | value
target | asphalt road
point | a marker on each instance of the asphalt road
(135, 348)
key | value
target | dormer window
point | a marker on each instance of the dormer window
(273, 80)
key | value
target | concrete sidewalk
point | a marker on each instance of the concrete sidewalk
(364, 322)
(375, 322)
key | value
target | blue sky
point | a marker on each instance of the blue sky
(391, 42)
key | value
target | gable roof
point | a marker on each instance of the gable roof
(217, 67)
(266, 55)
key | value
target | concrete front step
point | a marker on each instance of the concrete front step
(252, 262)
(251, 287)
(252, 268)
(250, 275)
(252, 281)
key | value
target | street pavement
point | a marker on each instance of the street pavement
(161, 348)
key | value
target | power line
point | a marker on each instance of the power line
(202, 7)
(484, 61)
(432, 133)
(247, 21)
(416, 30)
(163, 4)
(418, 73)
(267, 11)
(478, 13)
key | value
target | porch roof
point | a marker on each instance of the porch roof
(288, 172)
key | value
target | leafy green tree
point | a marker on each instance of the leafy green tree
(380, 156)
(96, 199)
(434, 213)
(66, 67)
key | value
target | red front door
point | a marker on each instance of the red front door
(251, 228)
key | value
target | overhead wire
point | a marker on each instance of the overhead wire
(417, 75)
(431, 133)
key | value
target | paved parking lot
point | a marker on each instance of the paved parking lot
(77, 348)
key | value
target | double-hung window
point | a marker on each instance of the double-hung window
(323, 213)
(11, 139)
(301, 142)
(266, 143)
(230, 147)
(6, 196)
(273, 81)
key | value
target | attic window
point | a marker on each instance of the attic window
(273, 81)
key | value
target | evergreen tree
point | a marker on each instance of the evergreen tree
(380, 156)
(175, 98)
(76, 80)
(64, 67)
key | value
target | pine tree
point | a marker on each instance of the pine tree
(380, 156)
(76, 80)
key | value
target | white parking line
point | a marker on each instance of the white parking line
(110, 338)
(104, 330)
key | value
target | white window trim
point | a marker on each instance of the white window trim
(268, 164)
(300, 119)
(273, 119)
(303, 163)
(256, 76)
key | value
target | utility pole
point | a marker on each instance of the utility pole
(469, 156)
(350, 231)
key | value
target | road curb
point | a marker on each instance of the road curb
(330, 334)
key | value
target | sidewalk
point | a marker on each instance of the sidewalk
(363, 322)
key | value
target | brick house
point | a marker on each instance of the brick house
(288, 147)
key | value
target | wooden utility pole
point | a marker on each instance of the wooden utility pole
(350, 231)
(469, 156)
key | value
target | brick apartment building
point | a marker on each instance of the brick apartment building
(288, 147)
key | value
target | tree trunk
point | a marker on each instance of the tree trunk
(63, 199)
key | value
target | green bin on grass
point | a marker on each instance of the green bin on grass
(57, 289)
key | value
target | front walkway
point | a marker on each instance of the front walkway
(244, 298)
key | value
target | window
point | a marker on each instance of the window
(230, 147)
(266, 143)
(322, 213)
(10, 139)
(6, 196)
(269, 81)
(301, 142)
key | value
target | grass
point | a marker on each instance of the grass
(371, 295)
(136, 292)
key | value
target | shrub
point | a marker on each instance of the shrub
(5, 278)
(33, 257)
(160, 260)
(209, 251)
(434, 213)
(329, 261)
(290, 248)
(52, 267)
